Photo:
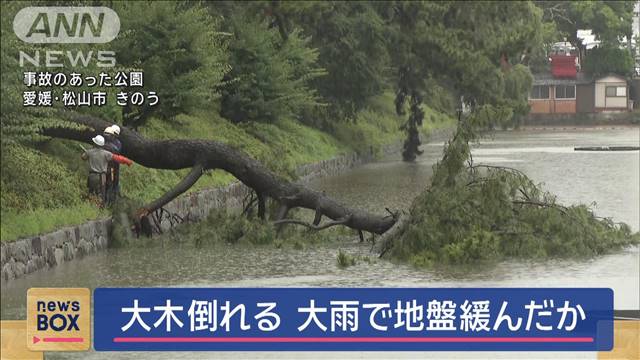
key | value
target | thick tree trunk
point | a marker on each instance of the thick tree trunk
(200, 155)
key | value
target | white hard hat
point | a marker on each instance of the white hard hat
(112, 130)
(98, 140)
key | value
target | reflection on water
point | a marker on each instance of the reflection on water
(611, 179)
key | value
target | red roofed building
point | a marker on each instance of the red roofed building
(564, 66)
(565, 90)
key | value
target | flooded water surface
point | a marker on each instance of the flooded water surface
(610, 179)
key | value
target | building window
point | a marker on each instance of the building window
(616, 91)
(565, 92)
(540, 92)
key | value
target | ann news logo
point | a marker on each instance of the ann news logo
(66, 24)
(58, 319)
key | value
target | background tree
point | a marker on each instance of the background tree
(609, 21)
(351, 40)
(269, 78)
(467, 46)
(180, 50)
(609, 59)
(351, 43)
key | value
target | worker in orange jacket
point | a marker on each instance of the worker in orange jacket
(98, 159)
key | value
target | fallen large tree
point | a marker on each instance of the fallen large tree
(201, 155)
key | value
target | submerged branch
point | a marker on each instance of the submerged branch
(329, 224)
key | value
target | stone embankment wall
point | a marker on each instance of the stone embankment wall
(24, 256)
(595, 119)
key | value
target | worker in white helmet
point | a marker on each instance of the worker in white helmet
(98, 159)
(112, 144)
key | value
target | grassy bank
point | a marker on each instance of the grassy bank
(43, 187)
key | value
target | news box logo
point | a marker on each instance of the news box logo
(59, 319)
(66, 24)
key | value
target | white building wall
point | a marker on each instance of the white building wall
(600, 92)
(636, 19)
(636, 27)
(602, 101)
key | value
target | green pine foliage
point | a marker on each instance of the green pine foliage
(473, 214)
(270, 78)
(179, 48)
(233, 229)
(605, 60)
(470, 47)
(518, 82)
(357, 64)
(345, 260)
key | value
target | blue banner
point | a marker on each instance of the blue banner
(344, 319)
